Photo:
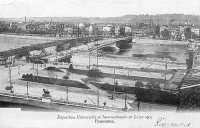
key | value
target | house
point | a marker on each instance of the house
(31, 26)
(117, 30)
(108, 30)
(38, 53)
(195, 30)
(22, 26)
(50, 50)
(42, 26)
(50, 26)
(183, 36)
(90, 29)
(128, 31)
(81, 25)
(93, 30)
(3, 60)
(13, 26)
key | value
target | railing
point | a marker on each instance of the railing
(61, 102)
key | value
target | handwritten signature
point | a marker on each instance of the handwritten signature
(162, 122)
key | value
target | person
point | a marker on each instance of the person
(85, 101)
(104, 104)
(116, 83)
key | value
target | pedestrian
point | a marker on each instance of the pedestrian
(85, 101)
(104, 104)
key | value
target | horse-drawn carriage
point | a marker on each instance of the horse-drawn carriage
(9, 88)
(46, 93)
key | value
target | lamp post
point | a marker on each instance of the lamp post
(27, 88)
(114, 80)
(67, 98)
(89, 52)
(97, 54)
(166, 70)
(125, 98)
(37, 72)
(98, 96)
(10, 76)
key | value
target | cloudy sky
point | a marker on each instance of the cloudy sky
(95, 8)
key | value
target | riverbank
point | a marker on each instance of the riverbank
(161, 42)
(31, 37)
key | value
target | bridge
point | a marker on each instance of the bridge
(24, 49)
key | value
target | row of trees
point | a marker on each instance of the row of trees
(149, 85)
(166, 34)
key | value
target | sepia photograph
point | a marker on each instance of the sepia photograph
(99, 63)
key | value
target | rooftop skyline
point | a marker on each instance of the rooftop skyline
(95, 8)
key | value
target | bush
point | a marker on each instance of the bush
(139, 84)
(95, 73)
(153, 85)
(27, 76)
(66, 77)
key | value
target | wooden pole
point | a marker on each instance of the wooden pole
(37, 72)
(125, 105)
(98, 96)
(97, 54)
(114, 80)
(27, 89)
(67, 94)
(166, 70)
(10, 76)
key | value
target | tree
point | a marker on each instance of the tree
(122, 32)
(157, 31)
(139, 84)
(153, 85)
(95, 73)
(189, 61)
(165, 34)
(51, 74)
(60, 48)
(188, 33)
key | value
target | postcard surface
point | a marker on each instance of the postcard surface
(99, 63)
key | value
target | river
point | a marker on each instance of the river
(175, 52)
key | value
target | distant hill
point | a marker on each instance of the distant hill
(131, 19)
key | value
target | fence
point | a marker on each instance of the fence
(60, 102)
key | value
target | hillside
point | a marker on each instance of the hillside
(131, 19)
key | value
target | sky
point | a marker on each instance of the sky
(95, 8)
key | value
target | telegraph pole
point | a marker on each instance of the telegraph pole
(125, 104)
(89, 52)
(33, 61)
(67, 99)
(97, 54)
(114, 80)
(27, 89)
(37, 72)
(10, 76)
(98, 96)
(166, 70)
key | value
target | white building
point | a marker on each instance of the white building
(196, 31)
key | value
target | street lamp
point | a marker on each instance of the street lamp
(89, 52)
(27, 88)
(97, 54)
(67, 98)
(125, 104)
(98, 96)
(114, 80)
